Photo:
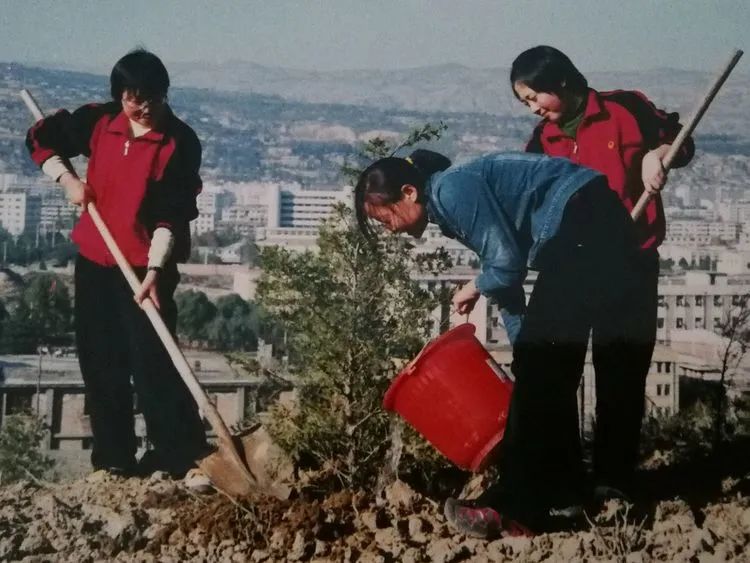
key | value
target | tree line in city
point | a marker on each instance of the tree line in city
(45, 248)
(38, 317)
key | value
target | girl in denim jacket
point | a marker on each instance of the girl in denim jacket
(520, 211)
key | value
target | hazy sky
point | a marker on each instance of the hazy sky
(346, 34)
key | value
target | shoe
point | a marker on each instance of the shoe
(197, 481)
(481, 521)
(176, 467)
(603, 493)
(571, 512)
(120, 470)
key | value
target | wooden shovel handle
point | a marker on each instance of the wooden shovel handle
(689, 127)
(209, 410)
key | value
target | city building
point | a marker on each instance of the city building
(681, 231)
(304, 207)
(20, 212)
(52, 386)
(210, 203)
(57, 214)
(697, 300)
(297, 239)
(735, 211)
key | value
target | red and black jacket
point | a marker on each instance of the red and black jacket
(617, 130)
(139, 183)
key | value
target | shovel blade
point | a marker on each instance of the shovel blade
(251, 464)
(227, 471)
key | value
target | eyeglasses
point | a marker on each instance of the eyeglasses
(135, 102)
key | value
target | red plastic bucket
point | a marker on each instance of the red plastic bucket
(456, 396)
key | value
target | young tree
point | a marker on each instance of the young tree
(734, 327)
(352, 311)
(20, 454)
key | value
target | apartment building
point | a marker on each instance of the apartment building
(20, 212)
(698, 300)
(305, 208)
(56, 214)
(695, 232)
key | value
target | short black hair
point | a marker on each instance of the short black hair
(546, 69)
(140, 72)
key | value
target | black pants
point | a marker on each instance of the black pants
(115, 342)
(587, 279)
(621, 352)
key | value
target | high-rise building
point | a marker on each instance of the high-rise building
(19, 212)
(304, 207)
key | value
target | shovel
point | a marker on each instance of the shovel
(229, 467)
(689, 127)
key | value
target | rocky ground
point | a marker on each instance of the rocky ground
(113, 519)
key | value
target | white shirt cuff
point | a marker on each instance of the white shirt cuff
(54, 167)
(161, 247)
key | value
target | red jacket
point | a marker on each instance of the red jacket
(618, 128)
(139, 184)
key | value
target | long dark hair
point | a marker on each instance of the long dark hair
(381, 182)
(546, 69)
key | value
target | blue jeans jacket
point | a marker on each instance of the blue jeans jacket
(505, 207)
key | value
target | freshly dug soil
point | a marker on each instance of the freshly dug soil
(108, 518)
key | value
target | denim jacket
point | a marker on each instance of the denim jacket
(505, 207)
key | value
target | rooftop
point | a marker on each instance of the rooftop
(22, 370)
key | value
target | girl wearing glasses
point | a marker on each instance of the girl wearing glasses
(142, 173)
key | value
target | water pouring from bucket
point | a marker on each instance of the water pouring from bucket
(456, 396)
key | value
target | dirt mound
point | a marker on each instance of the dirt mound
(156, 519)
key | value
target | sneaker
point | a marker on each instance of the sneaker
(603, 493)
(124, 471)
(176, 467)
(197, 481)
(481, 521)
(571, 512)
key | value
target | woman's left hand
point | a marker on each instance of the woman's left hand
(653, 174)
(148, 289)
(465, 298)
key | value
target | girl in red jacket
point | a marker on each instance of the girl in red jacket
(622, 135)
(143, 175)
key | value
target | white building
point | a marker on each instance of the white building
(735, 211)
(231, 254)
(57, 214)
(297, 239)
(19, 212)
(210, 203)
(301, 207)
(701, 232)
(734, 261)
(697, 300)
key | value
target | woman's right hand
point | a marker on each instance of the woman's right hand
(77, 191)
(465, 298)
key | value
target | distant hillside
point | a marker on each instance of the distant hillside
(261, 123)
(451, 88)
